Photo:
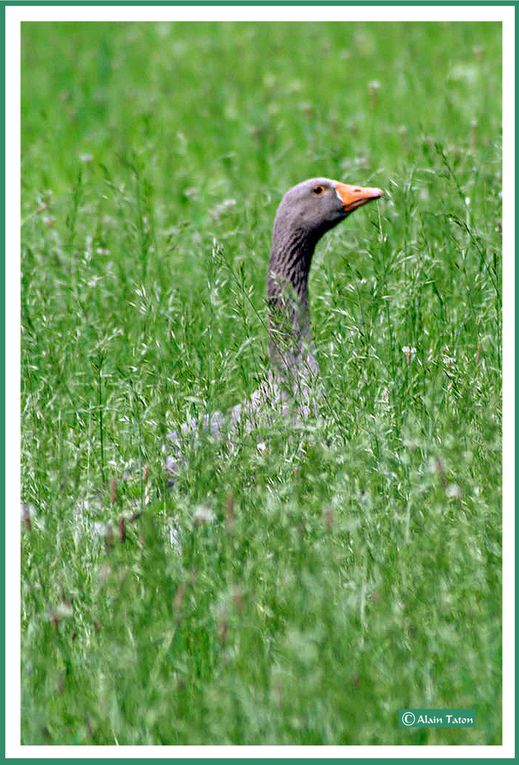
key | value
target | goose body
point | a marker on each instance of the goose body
(306, 212)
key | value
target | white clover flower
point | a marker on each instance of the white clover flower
(294, 86)
(361, 161)
(453, 491)
(223, 207)
(104, 572)
(229, 203)
(203, 514)
(27, 511)
(62, 611)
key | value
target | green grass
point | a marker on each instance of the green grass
(352, 567)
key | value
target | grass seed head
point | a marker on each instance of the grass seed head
(329, 518)
(473, 135)
(113, 490)
(237, 598)
(410, 353)
(28, 513)
(404, 138)
(374, 88)
(178, 598)
(229, 510)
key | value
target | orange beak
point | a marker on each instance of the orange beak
(355, 196)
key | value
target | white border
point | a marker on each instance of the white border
(14, 16)
(260, 13)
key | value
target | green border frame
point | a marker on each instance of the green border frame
(289, 3)
(207, 3)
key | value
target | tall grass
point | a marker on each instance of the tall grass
(303, 585)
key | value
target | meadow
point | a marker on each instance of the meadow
(304, 585)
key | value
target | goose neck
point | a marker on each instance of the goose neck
(287, 296)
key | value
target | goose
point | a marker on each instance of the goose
(306, 212)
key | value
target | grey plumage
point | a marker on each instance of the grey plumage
(305, 214)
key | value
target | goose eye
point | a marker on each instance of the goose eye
(318, 189)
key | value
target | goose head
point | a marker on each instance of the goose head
(305, 214)
(318, 204)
